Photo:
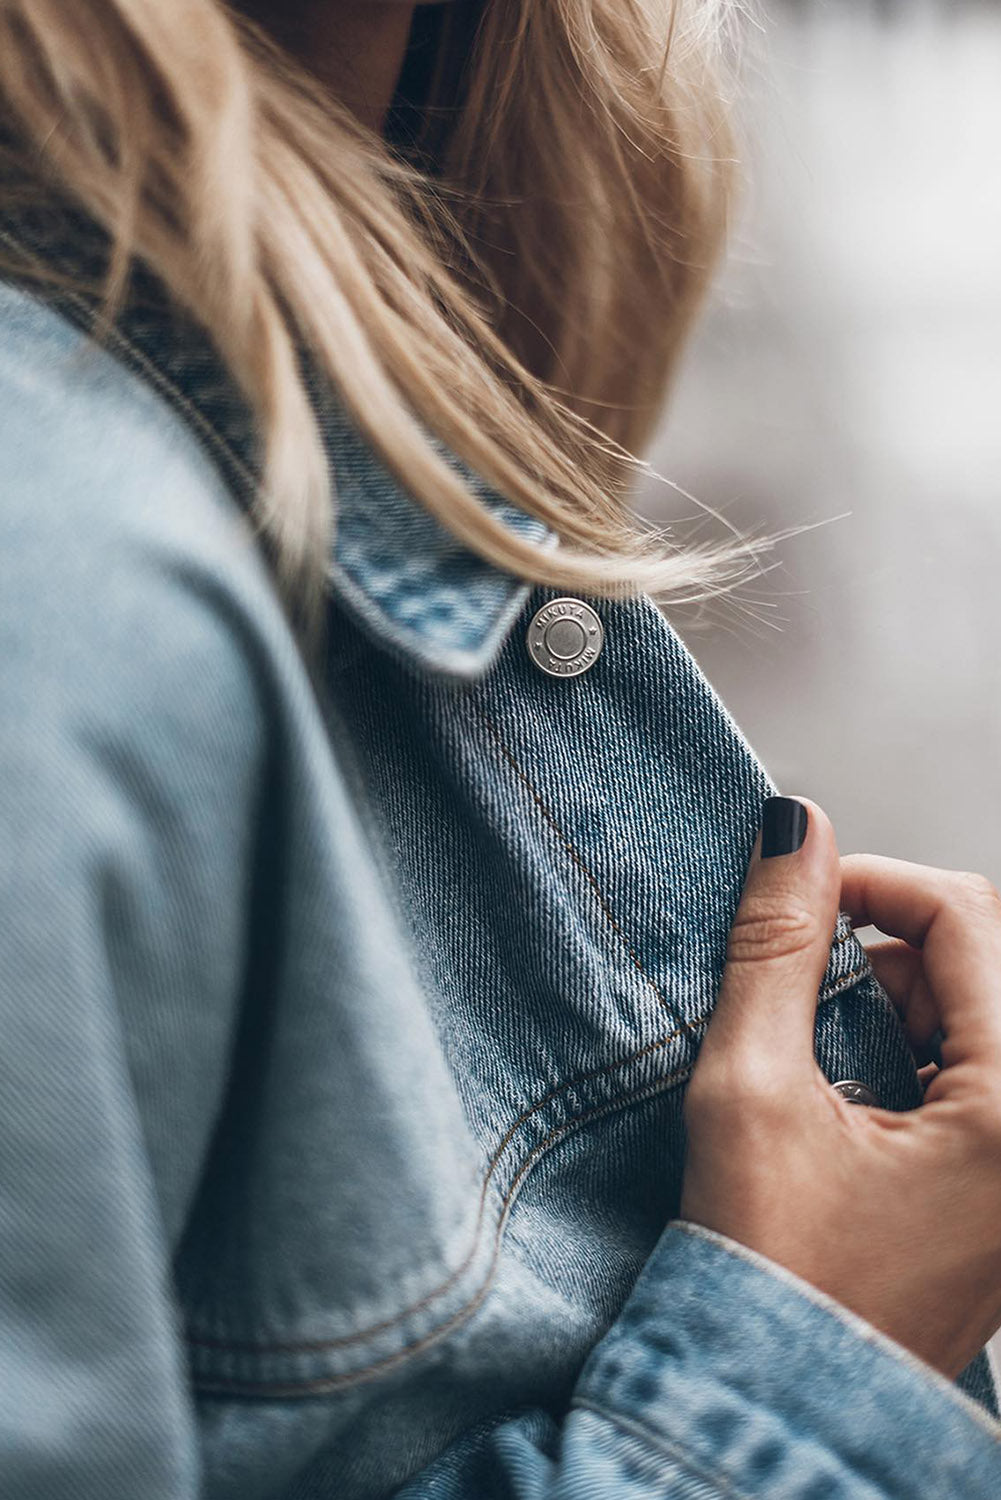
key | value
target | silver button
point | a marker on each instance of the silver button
(856, 1093)
(565, 637)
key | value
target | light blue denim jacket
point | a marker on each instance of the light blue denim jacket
(345, 1015)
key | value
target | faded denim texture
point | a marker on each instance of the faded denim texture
(346, 1022)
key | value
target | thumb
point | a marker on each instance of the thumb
(779, 943)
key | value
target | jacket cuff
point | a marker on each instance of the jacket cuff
(762, 1385)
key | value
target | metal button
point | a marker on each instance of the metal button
(565, 637)
(856, 1093)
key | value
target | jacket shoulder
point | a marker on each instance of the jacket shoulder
(121, 547)
(93, 457)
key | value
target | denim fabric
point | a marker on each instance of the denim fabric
(347, 1015)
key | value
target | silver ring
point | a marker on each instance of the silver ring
(854, 1092)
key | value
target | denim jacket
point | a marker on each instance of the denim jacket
(346, 1015)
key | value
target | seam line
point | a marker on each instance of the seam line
(305, 1347)
(327, 1345)
(333, 1382)
(576, 857)
(658, 1442)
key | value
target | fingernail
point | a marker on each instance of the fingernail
(783, 826)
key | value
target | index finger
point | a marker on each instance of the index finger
(955, 920)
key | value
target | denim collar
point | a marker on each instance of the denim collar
(412, 586)
(420, 592)
(407, 579)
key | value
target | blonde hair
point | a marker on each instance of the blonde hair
(523, 304)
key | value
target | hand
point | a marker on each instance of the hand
(897, 1216)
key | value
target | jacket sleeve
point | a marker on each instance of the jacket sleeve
(726, 1376)
(131, 744)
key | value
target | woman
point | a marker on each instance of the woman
(368, 894)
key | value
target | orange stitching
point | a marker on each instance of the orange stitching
(319, 1346)
(574, 854)
(332, 1382)
(834, 986)
(353, 1338)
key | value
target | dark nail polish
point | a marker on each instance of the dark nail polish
(783, 826)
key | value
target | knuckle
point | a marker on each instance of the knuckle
(985, 1122)
(769, 927)
(978, 892)
(973, 1133)
(981, 1144)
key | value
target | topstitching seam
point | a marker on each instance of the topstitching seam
(332, 1382)
(681, 1028)
(344, 1341)
(830, 989)
(224, 1385)
(577, 857)
(660, 1442)
(454, 1276)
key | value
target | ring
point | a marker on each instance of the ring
(854, 1092)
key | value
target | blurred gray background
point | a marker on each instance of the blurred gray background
(851, 363)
